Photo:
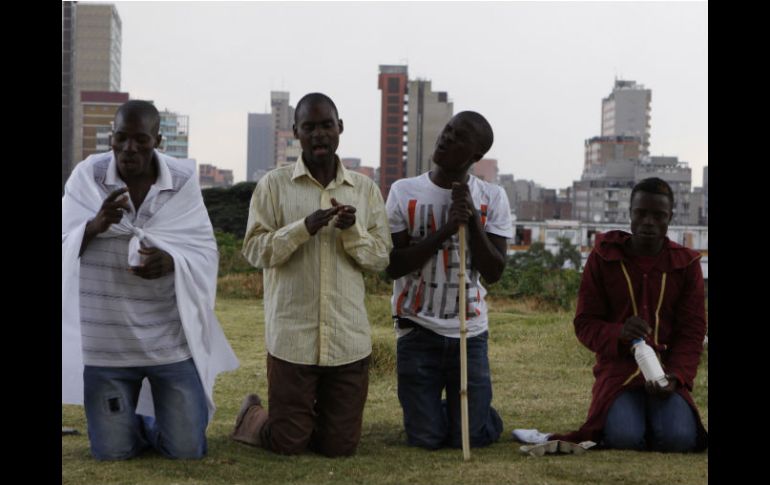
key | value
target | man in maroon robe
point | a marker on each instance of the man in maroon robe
(642, 285)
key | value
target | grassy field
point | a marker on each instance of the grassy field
(541, 377)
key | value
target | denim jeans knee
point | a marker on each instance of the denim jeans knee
(181, 412)
(625, 426)
(672, 423)
(485, 424)
(420, 385)
(114, 429)
(427, 364)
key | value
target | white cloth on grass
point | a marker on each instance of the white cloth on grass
(532, 436)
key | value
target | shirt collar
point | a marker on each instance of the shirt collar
(163, 182)
(342, 175)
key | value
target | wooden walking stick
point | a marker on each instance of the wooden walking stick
(463, 351)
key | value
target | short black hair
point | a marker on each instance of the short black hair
(141, 108)
(314, 98)
(654, 185)
(483, 128)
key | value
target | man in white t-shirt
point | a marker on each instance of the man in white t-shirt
(425, 213)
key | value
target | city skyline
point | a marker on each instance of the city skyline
(537, 71)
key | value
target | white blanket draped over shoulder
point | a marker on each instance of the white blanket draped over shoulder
(182, 228)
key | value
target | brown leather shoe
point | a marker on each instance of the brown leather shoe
(249, 421)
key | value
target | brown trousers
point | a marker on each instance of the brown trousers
(314, 407)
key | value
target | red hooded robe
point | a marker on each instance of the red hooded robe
(670, 298)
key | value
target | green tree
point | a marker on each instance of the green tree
(230, 258)
(228, 208)
(567, 252)
(538, 274)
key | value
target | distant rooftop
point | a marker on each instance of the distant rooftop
(392, 69)
(620, 84)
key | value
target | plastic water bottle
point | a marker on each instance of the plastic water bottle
(648, 362)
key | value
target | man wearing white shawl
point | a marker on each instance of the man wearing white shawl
(141, 346)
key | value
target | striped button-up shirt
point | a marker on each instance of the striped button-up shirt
(314, 288)
(128, 321)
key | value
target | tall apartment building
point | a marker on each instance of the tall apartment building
(626, 112)
(602, 200)
(283, 113)
(606, 198)
(175, 130)
(68, 98)
(610, 165)
(393, 83)
(600, 150)
(260, 149)
(525, 190)
(412, 117)
(427, 114)
(98, 109)
(270, 141)
(678, 175)
(283, 119)
(287, 149)
(697, 209)
(507, 182)
(97, 60)
(620, 158)
(550, 205)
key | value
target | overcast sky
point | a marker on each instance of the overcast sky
(537, 70)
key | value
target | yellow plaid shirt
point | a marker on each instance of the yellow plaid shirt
(314, 289)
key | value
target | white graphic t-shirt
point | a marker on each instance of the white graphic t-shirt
(430, 295)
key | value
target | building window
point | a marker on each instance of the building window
(393, 130)
(394, 85)
(393, 120)
(394, 108)
(391, 139)
(391, 150)
(394, 99)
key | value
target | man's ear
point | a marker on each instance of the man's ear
(294, 129)
(158, 139)
(340, 124)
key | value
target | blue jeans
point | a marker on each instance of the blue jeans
(639, 421)
(116, 432)
(427, 364)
